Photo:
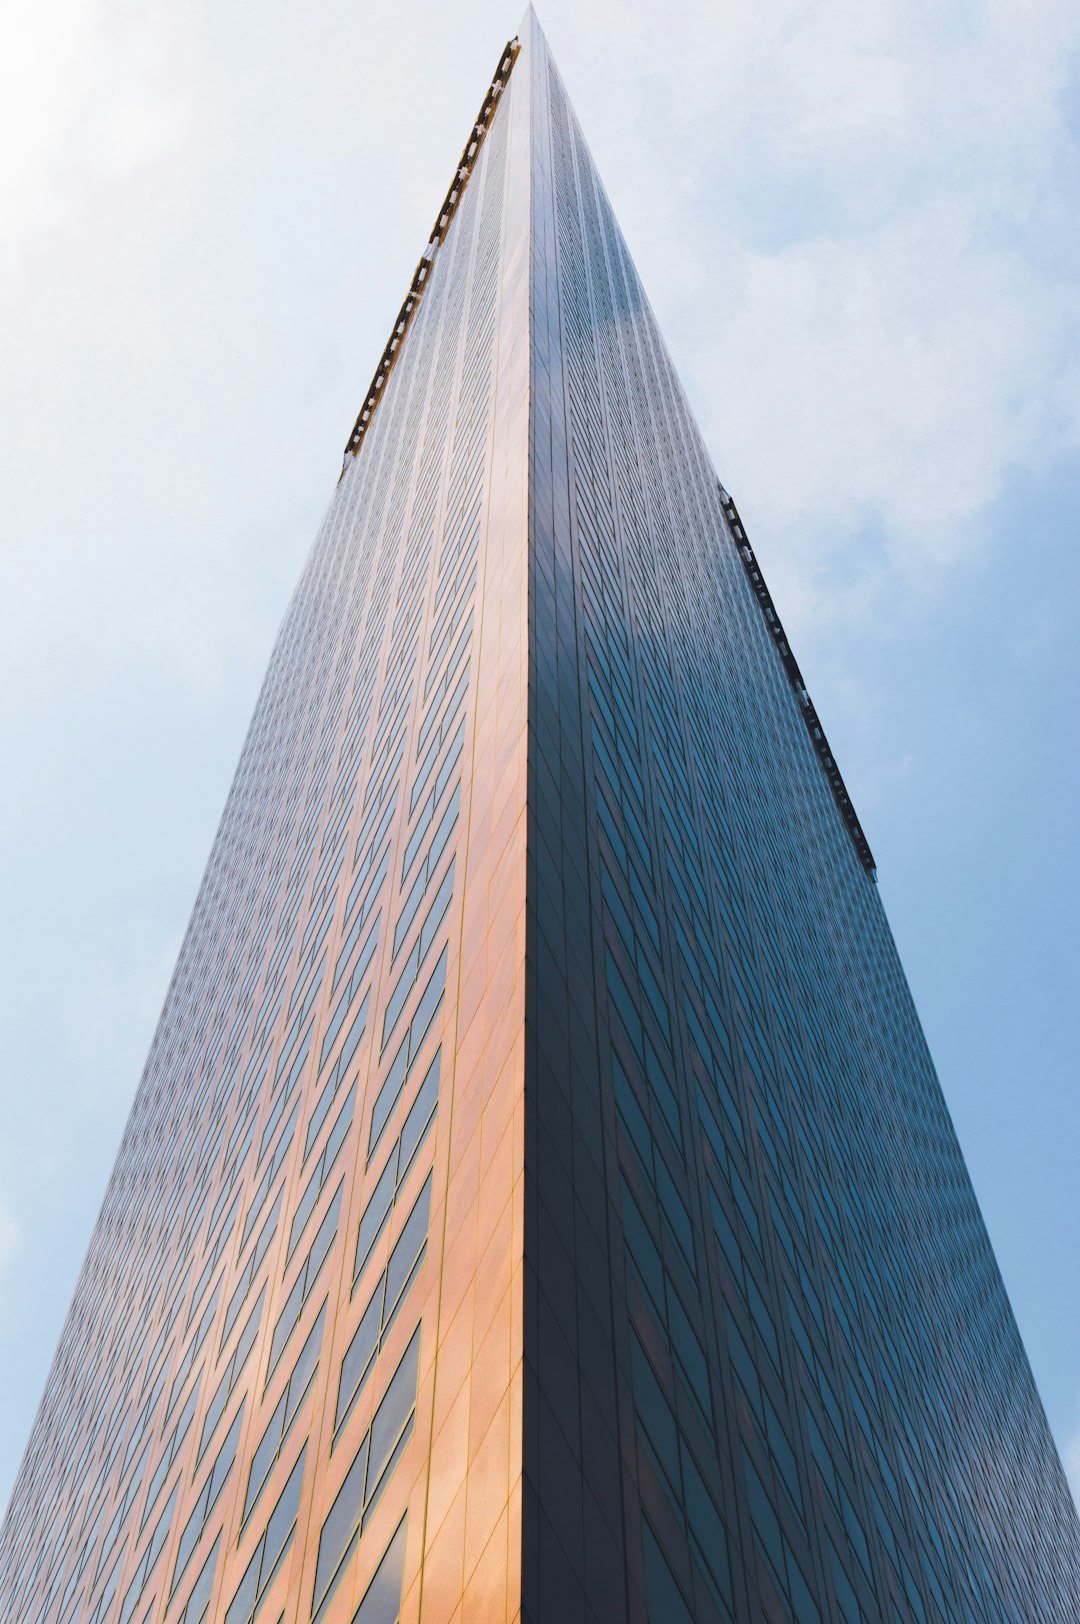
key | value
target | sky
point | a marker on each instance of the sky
(857, 227)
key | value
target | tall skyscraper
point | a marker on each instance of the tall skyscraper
(539, 1202)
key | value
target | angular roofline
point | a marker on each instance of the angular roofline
(423, 270)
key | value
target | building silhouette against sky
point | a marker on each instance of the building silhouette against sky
(539, 1202)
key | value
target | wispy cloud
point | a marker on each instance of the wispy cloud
(85, 93)
(867, 212)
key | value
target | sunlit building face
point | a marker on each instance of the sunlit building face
(539, 1202)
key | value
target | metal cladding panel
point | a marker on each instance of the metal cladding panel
(289, 1382)
(771, 1369)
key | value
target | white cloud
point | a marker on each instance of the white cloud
(86, 90)
(867, 263)
(924, 371)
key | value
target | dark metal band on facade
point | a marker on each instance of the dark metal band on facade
(427, 259)
(795, 677)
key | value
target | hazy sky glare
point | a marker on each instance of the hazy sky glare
(857, 227)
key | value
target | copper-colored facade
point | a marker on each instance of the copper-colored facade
(538, 1203)
(395, 702)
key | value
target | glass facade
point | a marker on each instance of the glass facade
(771, 1369)
(539, 1202)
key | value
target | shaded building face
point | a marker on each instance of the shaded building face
(539, 1202)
